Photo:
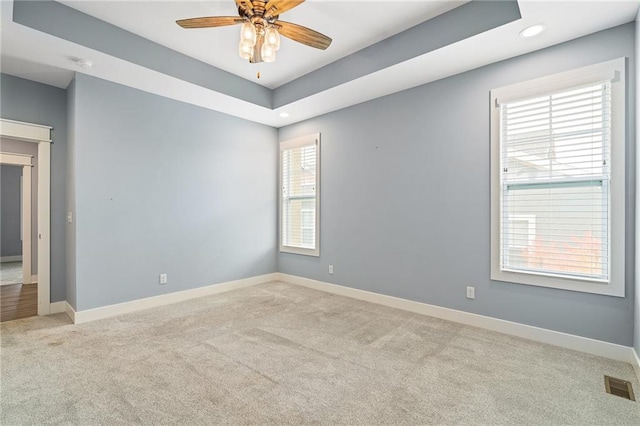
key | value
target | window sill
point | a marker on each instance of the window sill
(613, 288)
(299, 250)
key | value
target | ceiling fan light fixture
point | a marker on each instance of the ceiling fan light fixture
(268, 54)
(247, 43)
(248, 33)
(260, 28)
(245, 50)
(272, 38)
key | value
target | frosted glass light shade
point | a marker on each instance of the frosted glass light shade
(268, 54)
(245, 50)
(272, 38)
(248, 33)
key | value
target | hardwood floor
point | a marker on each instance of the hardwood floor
(18, 301)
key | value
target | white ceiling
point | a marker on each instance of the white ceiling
(41, 57)
(353, 25)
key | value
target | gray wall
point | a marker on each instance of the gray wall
(28, 148)
(32, 102)
(461, 22)
(405, 197)
(166, 187)
(11, 244)
(64, 22)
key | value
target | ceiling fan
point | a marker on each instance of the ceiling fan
(261, 28)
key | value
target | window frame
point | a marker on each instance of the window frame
(286, 145)
(614, 71)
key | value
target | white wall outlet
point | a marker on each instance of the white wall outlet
(163, 278)
(69, 217)
(471, 292)
(331, 269)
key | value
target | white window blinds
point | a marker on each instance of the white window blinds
(299, 195)
(555, 183)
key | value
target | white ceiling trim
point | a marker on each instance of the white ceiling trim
(353, 25)
(564, 20)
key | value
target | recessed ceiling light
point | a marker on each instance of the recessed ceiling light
(284, 114)
(533, 30)
(83, 63)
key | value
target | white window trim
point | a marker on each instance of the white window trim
(613, 70)
(294, 143)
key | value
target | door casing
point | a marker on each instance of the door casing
(40, 134)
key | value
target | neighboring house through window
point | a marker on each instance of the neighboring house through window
(299, 195)
(558, 158)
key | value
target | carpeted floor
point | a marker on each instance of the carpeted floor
(282, 354)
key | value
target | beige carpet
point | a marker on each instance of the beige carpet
(281, 354)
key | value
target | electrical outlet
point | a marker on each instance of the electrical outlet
(70, 217)
(163, 278)
(471, 292)
(331, 269)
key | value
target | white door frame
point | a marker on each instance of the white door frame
(26, 161)
(41, 135)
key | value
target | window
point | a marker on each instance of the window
(299, 195)
(557, 181)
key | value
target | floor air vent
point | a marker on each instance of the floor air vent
(619, 387)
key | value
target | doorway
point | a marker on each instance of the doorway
(11, 221)
(18, 292)
(36, 240)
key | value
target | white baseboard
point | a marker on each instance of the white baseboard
(79, 317)
(17, 258)
(556, 338)
(57, 307)
(636, 358)
(71, 313)
(60, 307)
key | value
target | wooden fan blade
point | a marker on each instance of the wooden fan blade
(303, 35)
(246, 5)
(209, 21)
(276, 7)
